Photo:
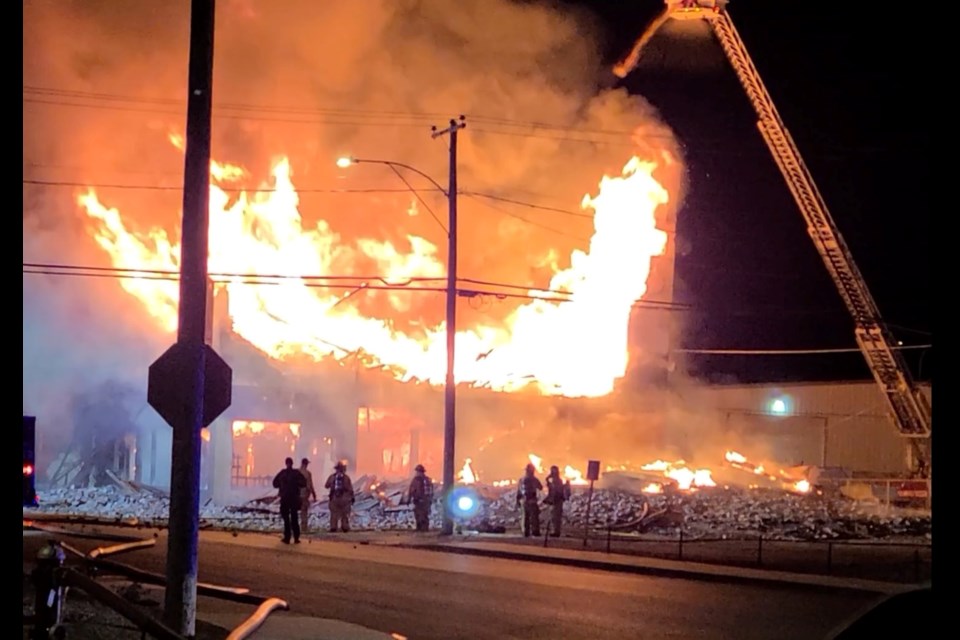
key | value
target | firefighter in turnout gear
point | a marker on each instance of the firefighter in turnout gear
(528, 499)
(558, 492)
(306, 494)
(421, 494)
(341, 498)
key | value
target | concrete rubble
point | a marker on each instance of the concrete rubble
(709, 513)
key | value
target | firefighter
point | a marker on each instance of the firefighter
(288, 483)
(306, 493)
(528, 499)
(421, 494)
(341, 498)
(558, 492)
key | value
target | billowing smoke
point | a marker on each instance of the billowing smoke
(105, 83)
(673, 424)
(103, 416)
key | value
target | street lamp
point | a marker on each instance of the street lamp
(345, 162)
(450, 385)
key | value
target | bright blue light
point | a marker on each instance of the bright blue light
(464, 503)
(782, 405)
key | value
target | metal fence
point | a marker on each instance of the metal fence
(877, 560)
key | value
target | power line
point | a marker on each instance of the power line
(163, 273)
(486, 283)
(152, 275)
(909, 329)
(223, 280)
(472, 194)
(789, 352)
(112, 97)
(324, 111)
(351, 116)
(148, 187)
(419, 197)
(233, 116)
(534, 223)
(578, 214)
(324, 282)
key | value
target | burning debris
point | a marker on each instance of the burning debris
(710, 512)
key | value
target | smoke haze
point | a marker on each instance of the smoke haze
(104, 85)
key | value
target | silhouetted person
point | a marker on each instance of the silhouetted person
(306, 493)
(558, 492)
(289, 482)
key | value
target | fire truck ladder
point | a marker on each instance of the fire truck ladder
(909, 408)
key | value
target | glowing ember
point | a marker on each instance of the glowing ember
(739, 461)
(733, 456)
(467, 475)
(685, 477)
(659, 465)
(574, 476)
(573, 348)
(653, 487)
(793, 480)
(254, 427)
(536, 461)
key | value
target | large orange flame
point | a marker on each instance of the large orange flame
(467, 475)
(574, 348)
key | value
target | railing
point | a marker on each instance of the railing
(911, 562)
(53, 578)
(250, 481)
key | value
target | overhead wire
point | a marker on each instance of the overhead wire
(791, 352)
(327, 282)
(335, 282)
(533, 223)
(148, 187)
(472, 194)
(419, 197)
(353, 116)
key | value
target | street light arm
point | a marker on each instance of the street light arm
(391, 163)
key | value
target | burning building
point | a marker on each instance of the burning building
(329, 312)
(575, 371)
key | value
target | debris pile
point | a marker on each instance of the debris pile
(709, 513)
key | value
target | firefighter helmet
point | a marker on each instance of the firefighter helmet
(341, 465)
(420, 467)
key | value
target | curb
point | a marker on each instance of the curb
(709, 573)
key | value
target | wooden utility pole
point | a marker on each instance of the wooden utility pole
(180, 601)
(450, 386)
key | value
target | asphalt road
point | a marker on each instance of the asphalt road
(425, 595)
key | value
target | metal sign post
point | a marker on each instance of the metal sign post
(593, 474)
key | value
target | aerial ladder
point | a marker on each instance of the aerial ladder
(908, 406)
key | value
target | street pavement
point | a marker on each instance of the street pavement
(413, 593)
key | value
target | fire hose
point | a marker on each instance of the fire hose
(256, 620)
(50, 564)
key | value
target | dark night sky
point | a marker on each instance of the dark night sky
(852, 99)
